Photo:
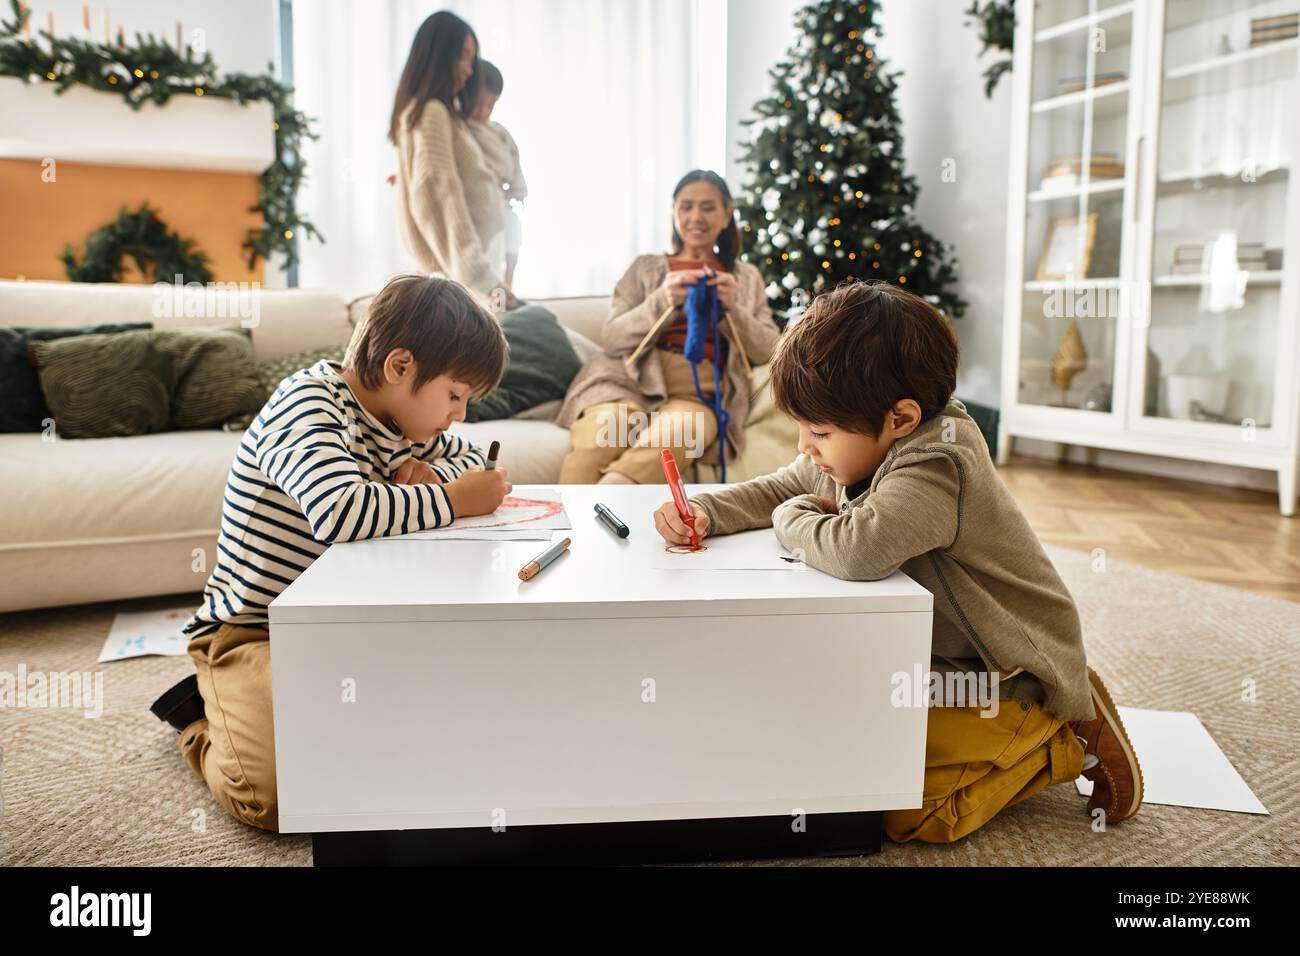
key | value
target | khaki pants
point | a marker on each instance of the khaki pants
(977, 766)
(681, 422)
(233, 748)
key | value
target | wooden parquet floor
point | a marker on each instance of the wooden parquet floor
(1224, 535)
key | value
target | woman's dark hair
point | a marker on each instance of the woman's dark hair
(429, 73)
(729, 238)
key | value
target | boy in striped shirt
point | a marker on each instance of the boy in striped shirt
(339, 453)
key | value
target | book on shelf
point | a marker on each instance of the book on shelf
(1068, 172)
(1284, 20)
(1073, 84)
(1264, 30)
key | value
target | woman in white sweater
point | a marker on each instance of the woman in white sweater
(451, 204)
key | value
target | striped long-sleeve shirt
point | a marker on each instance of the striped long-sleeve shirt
(313, 469)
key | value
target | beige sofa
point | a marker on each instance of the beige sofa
(103, 519)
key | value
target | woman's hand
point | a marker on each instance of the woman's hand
(677, 284)
(726, 285)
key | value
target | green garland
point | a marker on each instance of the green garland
(997, 23)
(145, 238)
(150, 71)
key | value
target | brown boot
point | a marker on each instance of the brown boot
(1116, 776)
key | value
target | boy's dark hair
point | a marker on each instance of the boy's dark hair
(492, 80)
(859, 350)
(444, 329)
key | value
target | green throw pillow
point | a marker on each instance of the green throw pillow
(542, 364)
(137, 383)
(271, 373)
(22, 406)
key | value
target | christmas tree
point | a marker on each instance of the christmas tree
(829, 200)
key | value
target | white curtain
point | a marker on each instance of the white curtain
(610, 101)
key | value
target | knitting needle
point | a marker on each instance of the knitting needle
(654, 331)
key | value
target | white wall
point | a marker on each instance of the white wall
(946, 116)
(758, 33)
(240, 34)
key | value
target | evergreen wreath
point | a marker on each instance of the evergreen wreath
(145, 238)
(150, 71)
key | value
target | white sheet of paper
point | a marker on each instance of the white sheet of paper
(479, 534)
(141, 633)
(519, 518)
(1182, 766)
(748, 551)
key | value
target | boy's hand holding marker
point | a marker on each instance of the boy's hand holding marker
(676, 531)
(480, 491)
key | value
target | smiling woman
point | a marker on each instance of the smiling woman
(627, 379)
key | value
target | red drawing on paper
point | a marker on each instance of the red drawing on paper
(514, 513)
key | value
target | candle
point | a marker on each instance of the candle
(50, 24)
(85, 17)
(178, 36)
(27, 22)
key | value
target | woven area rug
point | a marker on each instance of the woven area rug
(115, 791)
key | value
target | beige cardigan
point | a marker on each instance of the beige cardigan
(637, 303)
(451, 202)
(937, 509)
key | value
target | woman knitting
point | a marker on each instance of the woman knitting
(676, 323)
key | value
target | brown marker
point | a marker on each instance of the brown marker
(535, 566)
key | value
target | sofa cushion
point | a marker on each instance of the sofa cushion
(22, 405)
(137, 383)
(542, 363)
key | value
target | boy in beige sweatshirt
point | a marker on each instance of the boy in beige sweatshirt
(894, 475)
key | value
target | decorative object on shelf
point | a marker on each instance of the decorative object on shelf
(1225, 46)
(151, 71)
(1070, 359)
(1224, 288)
(1191, 259)
(1073, 84)
(1208, 394)
(997, 25)
(1067, 172)
(1067, 250)
(160, 255)
(827, 196)
(1265, 30)
(1098, 398)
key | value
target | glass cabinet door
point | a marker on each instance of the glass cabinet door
(1226, 129)
(1077, 195)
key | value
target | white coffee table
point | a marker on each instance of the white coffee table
(421, 686)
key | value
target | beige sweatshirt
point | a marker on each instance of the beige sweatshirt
(937, 509)
(451, 201)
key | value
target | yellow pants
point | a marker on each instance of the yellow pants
(233, 747)
(976, 766)
(681, 422)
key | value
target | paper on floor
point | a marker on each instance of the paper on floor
(140, 633)
(520, 518)
(748, 551)
(1182, 766)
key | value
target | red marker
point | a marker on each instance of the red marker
(679, 493)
